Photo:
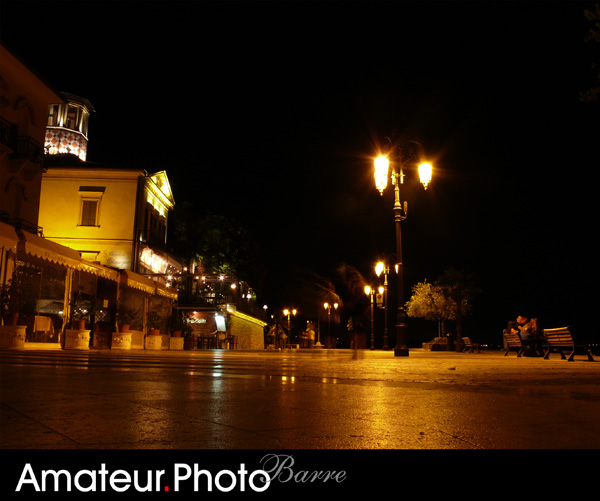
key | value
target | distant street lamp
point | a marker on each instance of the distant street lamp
(384, 268)
(369, 291)
(288, 314)
(382, 164)
(327, 306)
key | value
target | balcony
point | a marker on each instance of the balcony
(27, 148)
(212, 296)
(22, 224)
(20, 147)
(8, 133)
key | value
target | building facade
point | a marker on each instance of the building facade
(51, 283)
(112, 216)
(87, 241)
(24, 101)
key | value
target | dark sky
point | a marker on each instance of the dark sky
(271, 112)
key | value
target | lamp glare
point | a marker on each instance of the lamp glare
(382, 165)
(425, 171)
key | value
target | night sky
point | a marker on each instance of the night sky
(271, 113)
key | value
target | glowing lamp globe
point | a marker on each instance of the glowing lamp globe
(382, 165)
(425, 171)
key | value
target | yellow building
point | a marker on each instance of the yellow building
(37, 274)
(116, 217)
(113, 216)
(83, 240)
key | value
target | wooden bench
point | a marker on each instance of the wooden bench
(470, 347)
(513, 340)
(561, 338)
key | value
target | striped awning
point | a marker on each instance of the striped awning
(137, 281)
(51, 251)
(48, 251)
(163, 290)
(99, 270)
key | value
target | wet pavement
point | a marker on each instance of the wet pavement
(296, 399)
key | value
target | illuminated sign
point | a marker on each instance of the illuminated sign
(156, 263)
(220, 323)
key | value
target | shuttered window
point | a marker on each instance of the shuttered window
(89, 211)
(90, 205)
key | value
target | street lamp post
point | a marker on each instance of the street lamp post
(288, 314)
(385, 269)
(382, 164)
(369, 291)
(327, 306)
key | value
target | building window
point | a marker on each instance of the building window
(89, 212)
(84, 123)
(53, 115)
(72, 118)
(90, 256)
(90, 205)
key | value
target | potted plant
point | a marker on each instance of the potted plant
(125, 315)
(156, 320)
(9, 296)
(179, 325)
(187, 334)
(79, 310)
(12, 335)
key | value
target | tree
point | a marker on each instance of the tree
(459, 288)
(219, 244)
(430, 303)
(447, 299)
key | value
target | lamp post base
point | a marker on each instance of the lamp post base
(401, 352)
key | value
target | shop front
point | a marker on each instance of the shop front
(57, 295)
(93, 298)
(224, 328)
(147, 306)
(12, 335)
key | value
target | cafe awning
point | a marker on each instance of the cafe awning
(137, 281)
(48, 250)
(163, 290)
(8, 237)
(51, 251)
(99, 270)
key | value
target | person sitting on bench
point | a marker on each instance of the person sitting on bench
(529, 336)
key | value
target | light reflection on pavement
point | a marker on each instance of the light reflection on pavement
(321, 399)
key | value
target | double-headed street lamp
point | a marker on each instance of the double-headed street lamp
(369, 291)
(288, 313)
(384, 268)
(382, 165)
(327, 306)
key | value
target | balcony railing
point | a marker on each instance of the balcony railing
(200, 300)
(22, 224)
(23, 147)
(29, 149)
(8, 133)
